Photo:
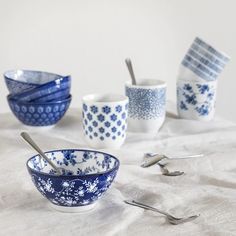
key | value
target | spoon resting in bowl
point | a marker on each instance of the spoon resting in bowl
(30, 141)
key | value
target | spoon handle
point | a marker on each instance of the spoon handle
(152, 161)
(146, 207)
(29, 140)
(131, 71)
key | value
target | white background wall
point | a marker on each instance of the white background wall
(90, 39)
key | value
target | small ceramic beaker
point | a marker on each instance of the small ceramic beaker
(202, 62)
(147, 102)
(105, 120)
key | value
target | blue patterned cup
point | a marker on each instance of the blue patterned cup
(105, 120)
(202, 62)
(196, 100)
(147, 102)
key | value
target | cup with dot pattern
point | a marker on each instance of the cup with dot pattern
(147, 100)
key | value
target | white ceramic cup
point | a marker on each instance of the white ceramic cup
(105, 120)
(147, 102)
(196, 100)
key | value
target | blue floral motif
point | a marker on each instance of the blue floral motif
(183, 106)
(106, 109)
(95, 123)
(188, 88)
(119, 108)
(146, 103)
(210, 96)
(203, 88)
(108, 121)
(85, 107)
(94, 109)
(123, 115)
(79, 185)
(199, 99)
(113, 117)
(191, 99)
(69, 158)
(107, 124)
(89, 116)
(101, 129)
(101, 117)
(113, 129)
(203, 110)
(39, 114)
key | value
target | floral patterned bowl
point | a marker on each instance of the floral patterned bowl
(19, 81)
(88, 176)
(40, 113)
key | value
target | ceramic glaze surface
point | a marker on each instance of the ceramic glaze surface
(146, 104)
(16, 87)
(196, 100)
(88, 175)
(18, 81)
(204, 61)
(105, 124)
(56, 89)
(39, 114)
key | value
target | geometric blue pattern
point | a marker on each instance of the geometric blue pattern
(105, 122)
(39, 114)
(203, 60)
(86, 176)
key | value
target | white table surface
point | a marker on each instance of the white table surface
(208, 187)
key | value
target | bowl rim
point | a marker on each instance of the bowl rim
(12, 99)
(41, 87)
(72, 176)
(94, 98)
(23, 70)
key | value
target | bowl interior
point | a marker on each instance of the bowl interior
(32, 77)
(75, 162)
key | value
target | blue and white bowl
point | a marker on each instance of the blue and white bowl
(19, 81)
(53, 90)
(88, 176)
(196, 100)
(41, 113)
(105, 120)
(147, 105)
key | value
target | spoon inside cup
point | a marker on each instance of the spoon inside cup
(30, 141)
(131, 71)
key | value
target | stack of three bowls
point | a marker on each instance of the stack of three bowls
(38, 98)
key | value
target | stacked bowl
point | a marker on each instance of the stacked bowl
(38, 98)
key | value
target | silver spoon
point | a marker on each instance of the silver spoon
(131, 71)
(171, 219)
(154, 158)
(29, 140)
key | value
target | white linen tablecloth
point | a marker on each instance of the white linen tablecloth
(208, 187)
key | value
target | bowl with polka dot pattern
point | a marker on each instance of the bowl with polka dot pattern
(41, 113)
